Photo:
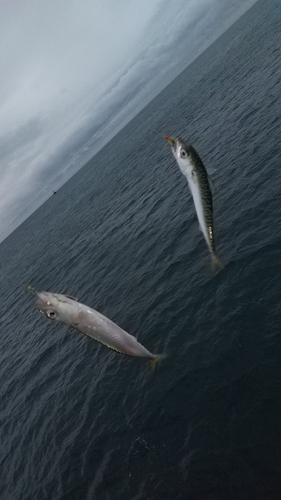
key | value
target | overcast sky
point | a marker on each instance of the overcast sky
(74, 71)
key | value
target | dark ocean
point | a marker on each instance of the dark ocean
(81, 422)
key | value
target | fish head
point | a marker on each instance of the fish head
(181, 151)
(57, 307)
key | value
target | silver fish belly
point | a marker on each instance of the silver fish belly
(69, 311)
(103, 330)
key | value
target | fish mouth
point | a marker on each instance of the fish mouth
(42, 301)
(171, 140)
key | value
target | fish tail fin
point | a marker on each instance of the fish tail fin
(155, 361)
(217, 263)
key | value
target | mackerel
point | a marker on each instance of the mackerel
(196, 174)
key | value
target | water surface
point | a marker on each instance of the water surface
(81, 422)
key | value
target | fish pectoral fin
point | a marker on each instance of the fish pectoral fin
(193, 177)
(211, 183)
(213, 187)
(77, 326)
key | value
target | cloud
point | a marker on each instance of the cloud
(74, 72)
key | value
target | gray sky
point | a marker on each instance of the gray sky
(73, 72)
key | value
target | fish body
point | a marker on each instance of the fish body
(196, 174)
(69, 311)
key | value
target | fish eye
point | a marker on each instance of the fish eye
(183, 153)
(51, 314)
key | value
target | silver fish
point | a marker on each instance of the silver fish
(69, 311)
(194, 170)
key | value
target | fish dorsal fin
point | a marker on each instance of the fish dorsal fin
(72, 298)
(211, 171)
(212, 185)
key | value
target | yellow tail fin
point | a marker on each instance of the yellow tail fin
(217, 263)
(155, 361)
